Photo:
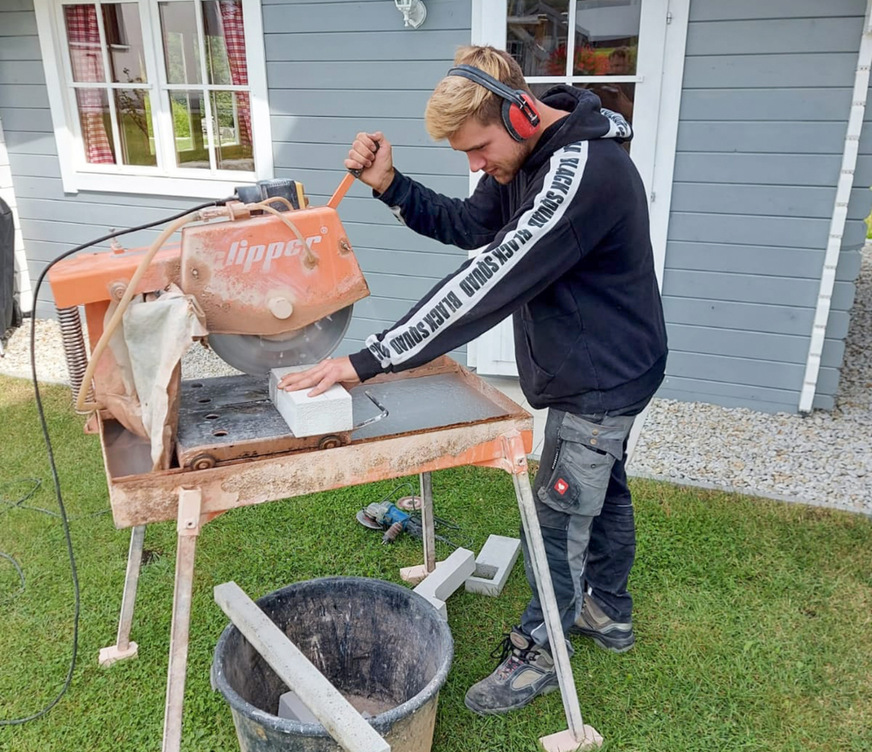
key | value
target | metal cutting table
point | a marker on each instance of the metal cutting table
(439, 416)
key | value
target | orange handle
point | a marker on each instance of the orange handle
(340, 191)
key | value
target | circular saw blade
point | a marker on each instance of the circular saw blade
(258, 355)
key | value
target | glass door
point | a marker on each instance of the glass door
(601, 54)
(615, 48)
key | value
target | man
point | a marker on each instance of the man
(563, 215)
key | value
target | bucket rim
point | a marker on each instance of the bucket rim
(381, 722)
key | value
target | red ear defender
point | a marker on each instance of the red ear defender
(519, 115)
(521, 123)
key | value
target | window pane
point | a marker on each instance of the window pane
(96, 124)
(536, 34)
(539, 89)
(189, 128)
(618, 97)
(135, 124)
(225, 42)
(124, 39)
(178, 25)
(83, 35)
(233, 130)
(606, 37)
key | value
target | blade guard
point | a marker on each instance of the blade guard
(258, 276)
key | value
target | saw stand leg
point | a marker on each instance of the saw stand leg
(189, 521)
(577, 736)
(123, 647)
(414, 575)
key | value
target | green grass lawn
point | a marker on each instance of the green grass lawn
(754, 618)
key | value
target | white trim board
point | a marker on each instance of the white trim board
(671, 86)
(844, 186)
(660, 196)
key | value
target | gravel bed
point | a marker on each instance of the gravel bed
(822, 459)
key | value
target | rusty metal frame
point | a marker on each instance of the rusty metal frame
(193, 497)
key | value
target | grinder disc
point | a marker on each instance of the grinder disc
(257, 355)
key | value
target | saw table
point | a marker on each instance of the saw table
(439, 416)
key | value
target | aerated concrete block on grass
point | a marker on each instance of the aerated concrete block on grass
(446, 578)
(494, 565)
(329, 412)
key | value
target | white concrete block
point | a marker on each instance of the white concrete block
(494, 565)
(329, 412)
(438, 605)
(446, 578)
(292, 708)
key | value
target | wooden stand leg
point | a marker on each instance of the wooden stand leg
(577, 736)
(417, 573)
(428, 523)
(123, 648)
(188, 530)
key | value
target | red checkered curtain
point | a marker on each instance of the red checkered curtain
(234, 41)
(87, 60)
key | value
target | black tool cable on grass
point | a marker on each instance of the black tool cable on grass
(51, 460)
(19, 503)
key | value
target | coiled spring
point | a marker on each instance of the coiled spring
(74, 346)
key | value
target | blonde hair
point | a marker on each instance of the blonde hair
(456, 99)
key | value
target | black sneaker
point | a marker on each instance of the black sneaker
(611, 635)
(525, 671)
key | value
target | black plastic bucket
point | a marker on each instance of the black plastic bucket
(383, 646)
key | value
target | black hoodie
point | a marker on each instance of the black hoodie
(568, 252)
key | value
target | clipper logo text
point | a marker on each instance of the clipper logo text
(242, 254)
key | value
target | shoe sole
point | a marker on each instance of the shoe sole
(606, 642)
(478, 710)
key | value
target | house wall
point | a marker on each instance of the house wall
(333, 68)
(339, 67)
(767, 91)
(766, 96)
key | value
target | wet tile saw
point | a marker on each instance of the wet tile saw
(267, 280)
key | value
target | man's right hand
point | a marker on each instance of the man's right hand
(371, 153)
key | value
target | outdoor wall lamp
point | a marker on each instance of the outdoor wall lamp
(414, 12)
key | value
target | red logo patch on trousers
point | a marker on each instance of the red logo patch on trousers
(561, 486)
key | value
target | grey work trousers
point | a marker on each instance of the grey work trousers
(586, 514)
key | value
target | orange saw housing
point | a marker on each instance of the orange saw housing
(251, 272)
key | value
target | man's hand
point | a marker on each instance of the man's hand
(371, 153)
(327, 373)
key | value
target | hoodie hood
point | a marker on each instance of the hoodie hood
(587, 120)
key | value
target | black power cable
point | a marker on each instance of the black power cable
(47, 438)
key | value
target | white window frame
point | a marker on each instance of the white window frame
(78, 175)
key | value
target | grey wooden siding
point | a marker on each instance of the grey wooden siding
(338, 67)
(333, 68)
(767, 89)
(767, 93)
